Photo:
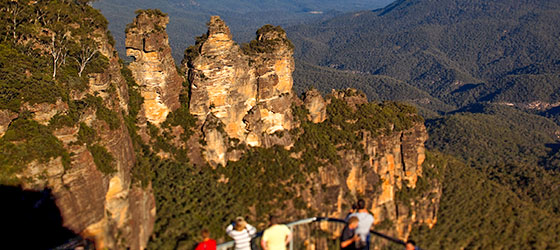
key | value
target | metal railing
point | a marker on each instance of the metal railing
(313, 234)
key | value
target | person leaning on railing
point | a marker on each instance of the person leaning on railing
(364, 225)
(349, 238)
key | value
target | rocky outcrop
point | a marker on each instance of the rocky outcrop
(43, 112)
(6, 117)
(272, 54)
(389, 167)
(316, 106)
(216, 141)
(248, 89)
(244, 94)
(153, 67)
(100, 206)
(222, 83)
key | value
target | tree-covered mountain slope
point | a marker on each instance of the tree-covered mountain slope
(490, 134)
(379, 87)
(513, 148)
(479, 213)
(459, 52)
(492, 68)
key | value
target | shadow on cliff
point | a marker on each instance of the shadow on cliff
(31, 220)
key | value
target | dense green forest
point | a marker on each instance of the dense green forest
(483, 73)
(513, 148)
(189, 17)
(479, 213)
(460, 52)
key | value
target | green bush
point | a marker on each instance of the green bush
(26, 141)
(261, 45)
(103, 160)
(86, 134)
(102, 112)
(25, 78)
(135, 99)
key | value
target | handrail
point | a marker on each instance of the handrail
(228, 244)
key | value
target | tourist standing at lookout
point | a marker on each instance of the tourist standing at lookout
(364, 224)
(207, 243)
(277, 236)
(241, 232)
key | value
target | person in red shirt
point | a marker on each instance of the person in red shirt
(207, 243)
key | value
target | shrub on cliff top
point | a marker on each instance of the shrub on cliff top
(151, 12)
(103, 160)
(24, 78)
(264, 44)
(26, 141)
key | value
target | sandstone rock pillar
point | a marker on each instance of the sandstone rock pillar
(153, 67)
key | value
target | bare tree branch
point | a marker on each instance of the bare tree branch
(85, 55)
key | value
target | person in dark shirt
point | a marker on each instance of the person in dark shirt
(349, 238)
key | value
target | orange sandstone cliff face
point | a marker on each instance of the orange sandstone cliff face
(243, 93)
(389, 164)
(104, 207)
(316, 106)
(153, 67)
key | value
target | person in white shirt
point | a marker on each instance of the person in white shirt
(364, 224)
(242, 233)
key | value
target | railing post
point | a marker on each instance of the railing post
(292, 239)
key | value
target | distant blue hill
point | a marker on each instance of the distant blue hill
(188, 17)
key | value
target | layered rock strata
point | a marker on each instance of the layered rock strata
(102, 207)
(153, 67)
(389, 164)
(249, 89)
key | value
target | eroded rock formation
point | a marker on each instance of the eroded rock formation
(248, 89)
(389, 164)
(102, 207)
(153, 67)
(316, 105)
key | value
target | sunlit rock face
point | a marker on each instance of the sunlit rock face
(105, 208)
(249, 89)
(153, 67)
(389, 163)
(222, 83)
(316, 106)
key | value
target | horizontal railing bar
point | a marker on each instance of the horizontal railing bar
(228, 244)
